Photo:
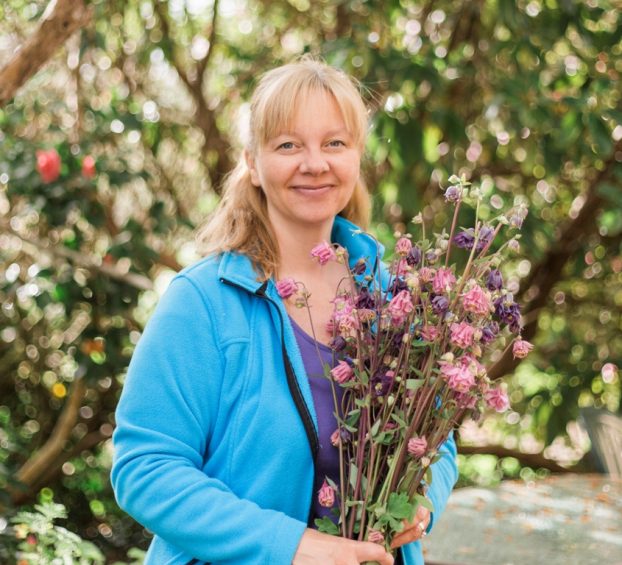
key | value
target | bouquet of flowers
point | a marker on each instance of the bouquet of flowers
(412, 339)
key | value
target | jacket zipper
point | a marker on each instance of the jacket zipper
(292, 383)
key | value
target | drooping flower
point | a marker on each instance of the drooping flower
(489, 332)
(426, 274)
(338, 343)
(342, 372)
(497, 399)
(417, 447)
(443, 281)
(323, 252)
(429, 333)
(465, 239)
(403, 246)
(458, 377)
(521, 348)
(485, 237)
(340, 436)
(414, 256)
(381, 381)
(508, 312)
(440, 304)
(48, 165)
(400, 306)
(374, 536)
(326, 495)
(494, 280)
(461, 334)
(286, 287)
(88, 167)
(364, 299)
(477, 301)
(466, 400)
(359, 267)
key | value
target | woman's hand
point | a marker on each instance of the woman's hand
(316, 548)
(413, 530)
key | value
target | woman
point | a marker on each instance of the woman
(222, 430)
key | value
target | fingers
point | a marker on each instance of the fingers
(414, 530)
(367, 551)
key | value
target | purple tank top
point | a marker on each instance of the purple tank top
(327, 462)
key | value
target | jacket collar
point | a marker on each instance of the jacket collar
(237, 268)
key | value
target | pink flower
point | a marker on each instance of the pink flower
(443, 281)
(521, 348)
(323, 252)
(286, 287)
(88, 167)
(403, 246)
(497, 399)
(400, 306)
(335, 438)
(429, 333)
(402, 268)
(461, 334)
(426, 274)
(326, 495)
(48, 165)
(342, 372)
(458, 377)
(477, 300)
(375, 536)
(417, 446)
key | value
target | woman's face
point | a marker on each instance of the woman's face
(308, 174)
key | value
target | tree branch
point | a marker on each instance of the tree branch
(60, 19)
(41, 459)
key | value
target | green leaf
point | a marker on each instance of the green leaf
(327, 526)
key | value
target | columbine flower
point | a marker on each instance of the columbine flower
(417, 446)
(489, 332)
(375, 536)
(453, 193)
(461, 334)
(286, 287)
(513, 245)
(465, 239)
(403, 246)
(400, 306)
(466, 400)
(497, 399)
(338, 437)
(326, 495)
(494, 280)
(48, 165)
(429, 333)
(458, 377)
(338, 343)
(323, 252)
(440, 304)
(508, 312)
(365, 300)
(414, 256)
(443, 281)
(521, 348)
(485, 237)
(360, 267)
(477, 301)
(342, 372)
(382, 381)
(426, 274)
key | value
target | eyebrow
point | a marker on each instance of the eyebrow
(331, 133)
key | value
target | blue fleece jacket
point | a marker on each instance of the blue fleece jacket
(216, 430)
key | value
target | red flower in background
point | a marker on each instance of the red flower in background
(48, 165)
(88, 167)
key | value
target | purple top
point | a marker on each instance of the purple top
(327, 462)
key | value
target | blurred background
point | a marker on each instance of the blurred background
(113, 153)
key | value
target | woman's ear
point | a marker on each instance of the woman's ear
(250, 163)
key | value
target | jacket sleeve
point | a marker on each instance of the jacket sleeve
(164, 421)
(444, 477)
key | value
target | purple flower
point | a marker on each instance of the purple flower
(338, 343)
(453, 193)
(485, 237)
(465, 239)
(414, 256)
(365, 300)
(440, 304)
(397, 286)
(359, 267)
(381, 381)
(508, 312)
(489, 332)
(494, 280)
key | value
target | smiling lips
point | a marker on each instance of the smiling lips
(311, 188)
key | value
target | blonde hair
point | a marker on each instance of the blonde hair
(240, 222)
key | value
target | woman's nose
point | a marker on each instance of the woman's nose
(313, 162)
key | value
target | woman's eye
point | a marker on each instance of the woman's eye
(286, 145)
(336, 143)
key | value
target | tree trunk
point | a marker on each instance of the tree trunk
(60, 19)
